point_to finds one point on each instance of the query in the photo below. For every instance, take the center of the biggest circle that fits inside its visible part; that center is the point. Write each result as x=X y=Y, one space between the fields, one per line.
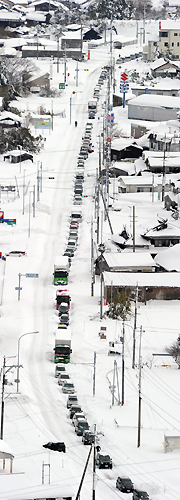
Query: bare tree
x=174 y=351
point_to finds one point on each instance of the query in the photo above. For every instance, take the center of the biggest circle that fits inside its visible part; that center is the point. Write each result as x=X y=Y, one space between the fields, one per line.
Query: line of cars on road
x=75 y=219
x=125 y=485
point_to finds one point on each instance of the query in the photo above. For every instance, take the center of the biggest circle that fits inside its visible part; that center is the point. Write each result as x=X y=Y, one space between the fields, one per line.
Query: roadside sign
x=108 y=139
x=124 y=77
x=32 y=275
x=10 y=221
x=110 y=118
x=62 y=86
x=124 y=87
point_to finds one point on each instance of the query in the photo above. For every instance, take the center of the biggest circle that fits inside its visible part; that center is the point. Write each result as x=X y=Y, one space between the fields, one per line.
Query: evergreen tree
x=120 y=307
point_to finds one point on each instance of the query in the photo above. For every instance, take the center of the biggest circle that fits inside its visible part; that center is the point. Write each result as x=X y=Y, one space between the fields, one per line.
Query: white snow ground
x=38 y=413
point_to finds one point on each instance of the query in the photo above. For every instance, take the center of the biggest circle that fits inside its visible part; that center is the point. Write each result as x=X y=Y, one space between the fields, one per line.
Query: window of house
x=166 y=44
x=175 y=34
x=164 y=34
x=155 y=44
x=178 y=44
x=172 y=44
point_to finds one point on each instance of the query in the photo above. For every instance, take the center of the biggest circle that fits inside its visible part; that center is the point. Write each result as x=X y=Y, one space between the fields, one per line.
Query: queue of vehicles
x=62 y=349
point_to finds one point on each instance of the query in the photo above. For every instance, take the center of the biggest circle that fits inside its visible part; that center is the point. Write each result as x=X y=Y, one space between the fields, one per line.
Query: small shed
x=91 y=35
x=17 y=156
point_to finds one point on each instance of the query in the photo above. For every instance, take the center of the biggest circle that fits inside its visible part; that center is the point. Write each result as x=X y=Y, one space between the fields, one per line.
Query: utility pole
x=5 y=370
x=94 y=375
x=58 y=53
x=2 y=397
x=52 y=115
x=134 y=228
x=101 y=249
x=70 y=109
x=139 y=405
x=65 y=63
x=19 y=288
x=23 y=189
x=92 y=261
x=152 y=188
x=94 y=463
x=83 y=476
x=37 y=177
x=134 y=329
x=115 y=373
x=164 y=172
x=77 y=74
x=123 y=338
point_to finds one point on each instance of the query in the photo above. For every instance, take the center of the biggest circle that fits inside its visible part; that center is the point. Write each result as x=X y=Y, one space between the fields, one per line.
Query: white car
x=68 y=388
x=76 y=417
x=16 y=253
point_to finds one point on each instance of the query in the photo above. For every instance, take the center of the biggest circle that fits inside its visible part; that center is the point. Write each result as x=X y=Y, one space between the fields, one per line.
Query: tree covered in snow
x=120 y=306
x=14 y=75
x=174 y=351
x=21 y=136
x=107 y=9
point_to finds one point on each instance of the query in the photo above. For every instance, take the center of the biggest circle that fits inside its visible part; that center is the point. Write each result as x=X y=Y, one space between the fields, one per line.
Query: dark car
x=63 y=308
x=72 y=400
x=69 y=252
x=74 y=409
x=55 y=446
x=103 y=461
x=64 y=319
x=81 y=426
x=140 y=495
x=124 y=484
x=88 y=437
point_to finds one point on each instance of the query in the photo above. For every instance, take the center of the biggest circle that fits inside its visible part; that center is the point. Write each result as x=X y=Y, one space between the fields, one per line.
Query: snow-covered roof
x=143 y=279
x=139 y=180
x=156 y=101
x=159 y=161
x=11 y=116
x=169 y=258
x=169 y=232
x=5 y=451
x=162 y=62
x=35 y=16
x=9 y=15
x=122 y=260
x=170 y=25
x=122 y=143
x=16 y=152
x=40 y=2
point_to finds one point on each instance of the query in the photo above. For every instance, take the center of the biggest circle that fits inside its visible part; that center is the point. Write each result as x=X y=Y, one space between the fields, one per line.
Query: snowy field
x=38 y=413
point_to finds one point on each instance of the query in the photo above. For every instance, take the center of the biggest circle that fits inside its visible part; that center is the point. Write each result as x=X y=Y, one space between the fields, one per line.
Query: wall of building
x=151 y=113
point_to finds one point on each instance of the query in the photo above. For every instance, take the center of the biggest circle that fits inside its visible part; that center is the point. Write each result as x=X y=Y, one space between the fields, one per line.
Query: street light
x=18 y=366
